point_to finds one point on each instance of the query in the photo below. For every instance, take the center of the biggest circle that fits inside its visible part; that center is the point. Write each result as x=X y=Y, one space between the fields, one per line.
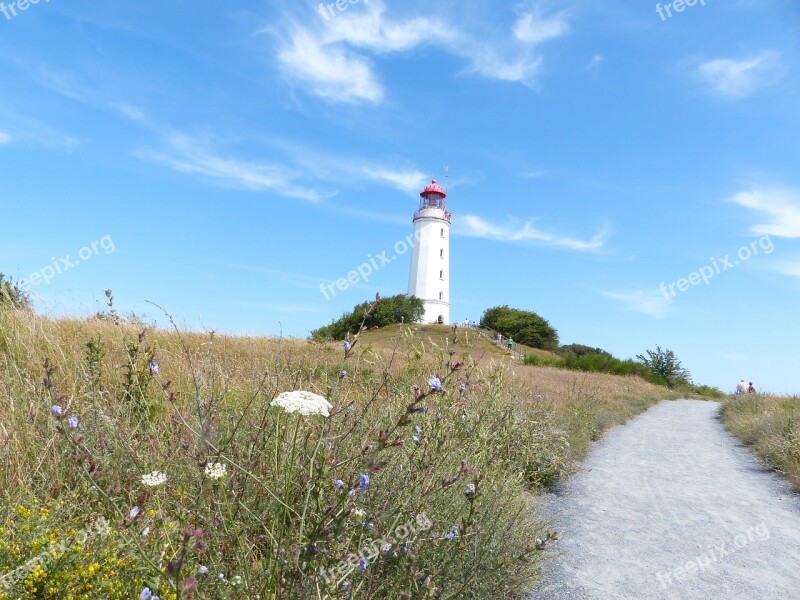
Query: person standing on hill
x=741 y=388
x=751 y=388
x=510 y=344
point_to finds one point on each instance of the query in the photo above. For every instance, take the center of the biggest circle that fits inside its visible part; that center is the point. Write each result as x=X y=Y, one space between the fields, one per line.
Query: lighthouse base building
x=429 y=279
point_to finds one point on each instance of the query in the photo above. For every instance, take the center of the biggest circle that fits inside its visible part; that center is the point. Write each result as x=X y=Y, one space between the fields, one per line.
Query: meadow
x=140 y=462
x=770 y=427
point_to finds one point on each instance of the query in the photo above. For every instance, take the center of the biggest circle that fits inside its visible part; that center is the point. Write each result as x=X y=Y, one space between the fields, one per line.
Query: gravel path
x=672 y=506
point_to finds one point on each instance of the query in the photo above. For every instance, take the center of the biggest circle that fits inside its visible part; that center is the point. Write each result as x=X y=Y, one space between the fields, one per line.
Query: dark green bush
x=388 y=311
x=523 y=326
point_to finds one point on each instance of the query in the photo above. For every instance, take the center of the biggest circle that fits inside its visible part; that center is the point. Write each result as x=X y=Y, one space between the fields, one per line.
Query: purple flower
x=346 y=346
x=346 y=586
x=154 y=368
x=57 y=411
x=470 y=493
x=342 y=374
x=145 y=594
x=338 y=484
x=203 y=570
x=134 y=512
x=362 y=564
x=435 y=383
x=407 y=547
x=72 y=422
x=463 y=387
x=420 y=409
x=386 y=549
x=415 y=439
x=453 y=533
x=438 y=416
x=363 y=482
x=329 y=445
x=418 y=430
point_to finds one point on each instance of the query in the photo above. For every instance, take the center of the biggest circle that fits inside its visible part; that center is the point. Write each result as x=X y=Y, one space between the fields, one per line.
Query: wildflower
x=154 y=479
x=453 y=533
x=216 y=470
x=221 y=577
x=415 y=439
x=306 y=403
x=470 y=493
x=203 y=570
x=420 y=409
x=133 y=513
x=346 y=346
x=435 y=383
x=362 y=564
x=358 y=512
x=57 y=411
x=146 y=594
x=386 y=549
x=463 y=387
x=418 y=430
x=342 y=374
x=72 y=422
x=329 y=445
x=438 y=416
x=407 y=547
x=346 y=586
x=236 y=580
x=363 y=482
x=153 y=368
x=145 y=532
x=338 y=484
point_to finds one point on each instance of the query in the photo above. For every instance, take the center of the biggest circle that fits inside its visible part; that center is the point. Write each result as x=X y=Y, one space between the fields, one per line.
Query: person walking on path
x=510 y=344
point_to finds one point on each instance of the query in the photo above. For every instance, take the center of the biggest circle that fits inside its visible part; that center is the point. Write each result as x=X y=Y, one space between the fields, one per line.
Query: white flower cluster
x=154 y=479
x=306 y=403
x=216 y=470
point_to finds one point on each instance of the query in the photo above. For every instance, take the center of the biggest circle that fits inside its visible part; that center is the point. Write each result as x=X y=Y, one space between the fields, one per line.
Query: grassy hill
x=406 y=486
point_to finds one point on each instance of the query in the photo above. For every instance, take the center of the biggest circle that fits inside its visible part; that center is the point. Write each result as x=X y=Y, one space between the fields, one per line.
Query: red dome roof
x=433 y=188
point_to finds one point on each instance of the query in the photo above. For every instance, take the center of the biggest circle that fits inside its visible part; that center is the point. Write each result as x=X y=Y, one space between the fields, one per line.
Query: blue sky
x=227 y=159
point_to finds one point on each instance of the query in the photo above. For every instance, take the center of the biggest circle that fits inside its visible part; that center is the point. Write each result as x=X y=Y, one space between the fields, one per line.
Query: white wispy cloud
x=332 y=58
x=190 y=155
x=653 y=304
x=473 y=226
x=739 y=78
x=4 y=138
x=780 y=208
x=406 y=181
x=791 y=268
x=331 y=71
x=532 y=28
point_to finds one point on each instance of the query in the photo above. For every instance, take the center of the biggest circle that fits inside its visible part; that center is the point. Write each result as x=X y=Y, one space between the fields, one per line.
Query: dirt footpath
x=671 y=506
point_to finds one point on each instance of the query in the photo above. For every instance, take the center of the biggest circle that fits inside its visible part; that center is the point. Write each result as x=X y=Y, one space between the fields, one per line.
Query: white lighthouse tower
x=430 y=260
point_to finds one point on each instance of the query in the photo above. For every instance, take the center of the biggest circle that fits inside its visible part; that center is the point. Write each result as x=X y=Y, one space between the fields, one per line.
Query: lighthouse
x=429 y=279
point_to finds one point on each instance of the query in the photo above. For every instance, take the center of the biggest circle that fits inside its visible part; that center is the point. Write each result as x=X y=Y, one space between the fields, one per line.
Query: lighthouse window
x=441 y=295
x=441 y=274
x=442 y=232
x=441 y=253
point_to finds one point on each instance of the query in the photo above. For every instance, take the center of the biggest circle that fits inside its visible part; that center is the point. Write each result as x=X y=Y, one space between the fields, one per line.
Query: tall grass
x=416 y=484
x=770 y=426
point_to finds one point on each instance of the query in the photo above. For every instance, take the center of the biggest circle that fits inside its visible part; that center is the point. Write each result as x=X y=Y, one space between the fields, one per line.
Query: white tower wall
x=429 y=278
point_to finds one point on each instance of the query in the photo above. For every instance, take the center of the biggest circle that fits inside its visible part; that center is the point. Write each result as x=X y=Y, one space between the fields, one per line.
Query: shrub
x=524 y=327
x=11 y=295
x=664 y=365
x=389 y=311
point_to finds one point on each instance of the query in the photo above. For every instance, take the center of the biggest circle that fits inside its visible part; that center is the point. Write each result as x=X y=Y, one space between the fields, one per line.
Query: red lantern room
x=433 y=196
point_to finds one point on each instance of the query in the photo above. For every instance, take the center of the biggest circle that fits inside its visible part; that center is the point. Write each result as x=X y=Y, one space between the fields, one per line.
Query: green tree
x=388 y=311
x=11 y=295
x=665 y=366
x=524 y=327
